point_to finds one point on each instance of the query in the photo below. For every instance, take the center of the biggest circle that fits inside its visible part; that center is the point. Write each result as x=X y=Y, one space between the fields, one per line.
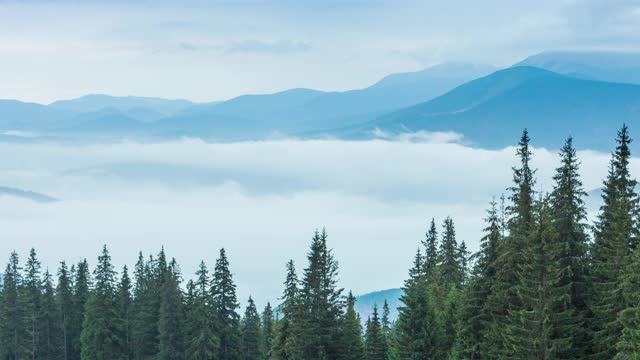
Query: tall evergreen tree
x=202 y=344
x=569 y=253
x=251 y=333
x=473 y=337
x=417 y=328
x=615 y=235
x=64 y=301
x=32 y=293
x=449 y=260
x=374 y=340
x=284 y=342
x=171 y=316
x=267 y=331
x=50 y=324
x=124 y=305
x=102 y=326
x=505 y=299
x=223 y=290
x=81 y=293
x=12 y=325
x=351 y=332
x=431 y=250
x=318 y=331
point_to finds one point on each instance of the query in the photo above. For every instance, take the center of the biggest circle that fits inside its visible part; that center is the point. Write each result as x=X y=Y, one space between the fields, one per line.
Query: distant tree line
x=543 y=285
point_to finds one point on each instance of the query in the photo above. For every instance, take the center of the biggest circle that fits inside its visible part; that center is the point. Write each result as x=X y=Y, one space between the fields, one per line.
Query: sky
x=215 y=50
x=375 y=199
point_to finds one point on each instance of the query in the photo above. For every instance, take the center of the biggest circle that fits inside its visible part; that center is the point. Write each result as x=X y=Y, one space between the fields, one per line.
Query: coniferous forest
x=545 y=284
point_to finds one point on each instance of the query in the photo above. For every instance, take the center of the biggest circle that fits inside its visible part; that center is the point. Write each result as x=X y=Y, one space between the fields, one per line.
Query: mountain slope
x=301 y=110
x=620 y=67
x=141 y=108
x=491 y=111
x=364 y=303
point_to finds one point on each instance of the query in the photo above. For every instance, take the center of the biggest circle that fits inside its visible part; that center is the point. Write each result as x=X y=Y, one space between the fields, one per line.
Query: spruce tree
x=505 y=299
x=32 y=300
x=102 y=326
x=374 y=340
x=416 y=326
x=431 y=250
x=615 y=234
x=351 y=332
x=284 y=347
x=12 y=325
x=450 y=270
x=569 y=253
x=318 y=331
x=251 y=333
x=223 y=290
x=171 y=316
x=64 y=302
x=50 y=322
x=473 y=337
x=124 y=306
x=201 y=344
x=267 y=331
x=81 y=293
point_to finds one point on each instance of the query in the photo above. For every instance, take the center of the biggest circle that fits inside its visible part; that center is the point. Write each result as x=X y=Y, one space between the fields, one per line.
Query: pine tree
x=267 y=331
x=223 y=290
x=102 y=326
x=431 y=250
x=569 y=253
x=473 y=340
x=374 y=340
x=615 y=235
x=171 y=316
x=124 y=305
x=449 y=266
x=32 y=295
x=504 y=298
x=351 y=332
x=284 y=343
x=64 y=302
x=318 y=331
x=50 y=324
x=202 y=344
x=386 y=330
x=447 y=322
x=82 y=283
x=416 y=326
x=628 y=346
x=251 y=333
x=12 y=325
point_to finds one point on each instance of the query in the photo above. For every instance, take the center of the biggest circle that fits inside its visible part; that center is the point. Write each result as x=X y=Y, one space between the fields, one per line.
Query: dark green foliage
x=351 y=332
x=171 y=316
x=201 y=344
x=12 y=327
x=417 y=326
x=317 y=331
x=32 y=302
x=615 y=237
x=227 y=320
x=64 y=302
x=82 y=283
x=251 y=333
x=449 y=268
x=102 y=327
x=431 y=250
x=375 y=347
x=284 y=343
x=267 y=329
x=124 y=303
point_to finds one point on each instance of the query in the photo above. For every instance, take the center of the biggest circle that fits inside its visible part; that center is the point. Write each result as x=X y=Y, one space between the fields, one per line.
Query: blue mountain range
x=555 y=94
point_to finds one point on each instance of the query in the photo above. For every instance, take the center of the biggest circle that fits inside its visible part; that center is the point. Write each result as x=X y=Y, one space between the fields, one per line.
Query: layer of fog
x=259 y=200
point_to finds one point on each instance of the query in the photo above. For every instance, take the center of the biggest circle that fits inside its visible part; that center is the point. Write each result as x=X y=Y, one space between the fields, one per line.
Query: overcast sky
x=214 y=50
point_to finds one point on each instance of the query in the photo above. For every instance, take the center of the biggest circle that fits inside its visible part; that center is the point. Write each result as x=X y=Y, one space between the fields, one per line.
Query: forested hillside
x=544 y=284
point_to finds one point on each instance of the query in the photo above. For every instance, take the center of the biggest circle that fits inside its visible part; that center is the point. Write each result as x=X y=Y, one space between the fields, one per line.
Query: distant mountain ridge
x=553 y=94
x=490 y=110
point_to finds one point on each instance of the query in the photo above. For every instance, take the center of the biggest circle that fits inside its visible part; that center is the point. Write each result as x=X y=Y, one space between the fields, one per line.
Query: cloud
x=281 y=47
x=260 y=200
